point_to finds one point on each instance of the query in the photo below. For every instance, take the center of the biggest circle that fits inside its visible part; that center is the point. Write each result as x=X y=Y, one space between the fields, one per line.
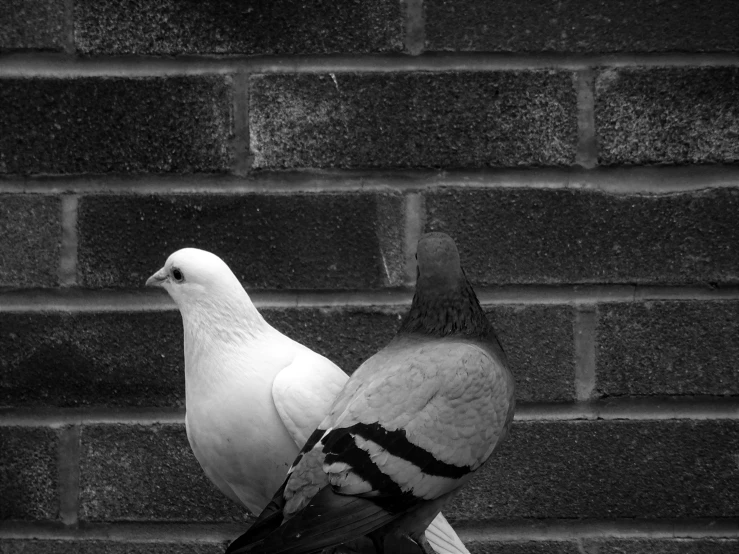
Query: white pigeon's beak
x=157 y=279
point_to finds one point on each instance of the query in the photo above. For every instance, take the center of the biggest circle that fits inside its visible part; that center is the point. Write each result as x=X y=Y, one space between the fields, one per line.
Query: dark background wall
x=582 y=153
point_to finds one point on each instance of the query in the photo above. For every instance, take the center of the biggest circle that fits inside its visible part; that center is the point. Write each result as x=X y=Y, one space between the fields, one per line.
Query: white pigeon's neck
x=223 y=320
x=213 y=335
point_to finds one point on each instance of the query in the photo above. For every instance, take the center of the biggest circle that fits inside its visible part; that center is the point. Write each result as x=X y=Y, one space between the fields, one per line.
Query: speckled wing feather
x=427 y=414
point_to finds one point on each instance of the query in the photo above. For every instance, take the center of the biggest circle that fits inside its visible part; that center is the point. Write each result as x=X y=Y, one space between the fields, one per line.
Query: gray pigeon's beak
x=157 y=279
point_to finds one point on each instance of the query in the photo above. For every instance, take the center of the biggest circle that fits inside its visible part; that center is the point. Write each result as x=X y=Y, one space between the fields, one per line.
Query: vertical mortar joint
x=241 y=143
x=415 y=26
x=587 y=146
x=414 y=224
x=69 y=241
x=68 y=28
x=585 y=356
x=69 y=474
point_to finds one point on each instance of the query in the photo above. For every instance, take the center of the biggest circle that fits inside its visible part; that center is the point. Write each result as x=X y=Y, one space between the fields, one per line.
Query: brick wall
x=582 y=153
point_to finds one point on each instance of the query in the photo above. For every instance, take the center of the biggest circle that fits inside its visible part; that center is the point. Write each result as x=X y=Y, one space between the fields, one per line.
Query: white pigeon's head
x=196 y=277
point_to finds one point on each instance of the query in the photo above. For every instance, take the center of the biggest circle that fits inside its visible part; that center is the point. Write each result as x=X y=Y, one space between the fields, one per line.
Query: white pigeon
x=253 y=396
x=409 y=428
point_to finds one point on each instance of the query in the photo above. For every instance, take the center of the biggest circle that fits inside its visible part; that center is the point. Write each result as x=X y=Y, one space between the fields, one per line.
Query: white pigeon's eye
x=177 y=275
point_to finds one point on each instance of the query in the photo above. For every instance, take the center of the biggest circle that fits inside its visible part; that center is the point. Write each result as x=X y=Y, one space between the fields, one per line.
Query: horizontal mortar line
x=637 y=409
x=487 y=531
x=61 y=417
x=615 y=180
x=573 y=529
x=648 y=408
x=145 y=300
x=124 y=531
x=62 y=65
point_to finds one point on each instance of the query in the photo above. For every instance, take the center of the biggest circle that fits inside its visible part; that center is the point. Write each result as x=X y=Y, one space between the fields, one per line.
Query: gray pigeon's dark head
x=445 y=303
x=438 y=262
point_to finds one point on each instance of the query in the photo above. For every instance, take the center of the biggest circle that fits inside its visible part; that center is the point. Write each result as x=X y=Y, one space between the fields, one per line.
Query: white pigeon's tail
x=443 y=538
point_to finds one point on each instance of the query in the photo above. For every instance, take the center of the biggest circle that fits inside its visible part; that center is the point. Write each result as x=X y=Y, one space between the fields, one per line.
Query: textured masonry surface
x=616 y=469
x=584 y=26
x=583 y=154
x=28 y=473
x=607 y=469
x=452 y=120
x=668 y=348
x=237 y=26
x=30 y=240
x=115 y=125
x=668 y=115
x=146 y=473
x=135 y=359
x=564 y=236
x=334 y=241
x=34 y=24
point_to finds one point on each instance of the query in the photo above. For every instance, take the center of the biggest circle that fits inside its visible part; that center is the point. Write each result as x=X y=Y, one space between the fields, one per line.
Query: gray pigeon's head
x=438 y=262
x=193 y=275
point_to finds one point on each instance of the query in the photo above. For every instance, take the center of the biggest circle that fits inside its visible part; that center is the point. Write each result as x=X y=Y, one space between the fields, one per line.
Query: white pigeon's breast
x=234 y=428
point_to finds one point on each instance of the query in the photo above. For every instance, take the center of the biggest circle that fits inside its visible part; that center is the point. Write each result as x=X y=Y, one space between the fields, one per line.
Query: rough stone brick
x=238 y=27
x=523 y=547
x=667 y=115
x=582 y=26
x=30 y=234
x=346 y=336
x=661 y=546
x=564 y=236
x=468 y=119
x=113 y=124
x=28 y=473
x=299 y=241
x=137 y=473
x=135 y=359
x=108 y=547
x=668 y=348
x=539 y=343
x=89 y=358
x=32 y=24
x=607 y=470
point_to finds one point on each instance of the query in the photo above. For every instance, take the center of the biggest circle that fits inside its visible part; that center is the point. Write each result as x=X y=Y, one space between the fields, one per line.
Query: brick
x=564 y=236
x=89 y=358
x=582 y=26
x=661 y=546
x=238 y=27
x=346 y=336
x=28 y=473
x=137 y=473
x=32 y=24
x=299 y=241
x=467 y=119
x=607 y=469
x=667 y=115
x=109 y=547
x=103 y=125
x=667 y=348
x=134 y=359
x=539 y=343
x=30 y=234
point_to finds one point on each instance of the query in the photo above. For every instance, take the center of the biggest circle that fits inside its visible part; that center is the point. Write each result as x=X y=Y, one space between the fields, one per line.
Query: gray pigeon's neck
x=442 y=313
